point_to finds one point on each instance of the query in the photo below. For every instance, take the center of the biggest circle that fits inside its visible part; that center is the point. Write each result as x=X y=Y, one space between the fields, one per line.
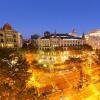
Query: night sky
x=37 y=16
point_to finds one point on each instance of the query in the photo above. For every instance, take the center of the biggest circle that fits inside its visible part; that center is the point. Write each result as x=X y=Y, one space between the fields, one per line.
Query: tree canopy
x=35 y=36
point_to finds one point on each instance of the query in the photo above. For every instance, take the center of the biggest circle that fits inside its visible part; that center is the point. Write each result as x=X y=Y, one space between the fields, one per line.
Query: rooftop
x=63 y=36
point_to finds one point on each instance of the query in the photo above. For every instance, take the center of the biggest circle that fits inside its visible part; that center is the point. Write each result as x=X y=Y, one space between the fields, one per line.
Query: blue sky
x=37 y=16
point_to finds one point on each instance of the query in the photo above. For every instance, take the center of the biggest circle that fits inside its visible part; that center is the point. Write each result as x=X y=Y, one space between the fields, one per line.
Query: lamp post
x=61 y=97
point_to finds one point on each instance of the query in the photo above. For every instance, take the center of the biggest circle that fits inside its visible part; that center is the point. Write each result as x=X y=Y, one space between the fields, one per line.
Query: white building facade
x=93 y=39
x=59 y=40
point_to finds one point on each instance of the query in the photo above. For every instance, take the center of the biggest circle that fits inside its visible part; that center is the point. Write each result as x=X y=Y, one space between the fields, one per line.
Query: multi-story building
x=50 y=41
x=93 y=39
x=9 y=38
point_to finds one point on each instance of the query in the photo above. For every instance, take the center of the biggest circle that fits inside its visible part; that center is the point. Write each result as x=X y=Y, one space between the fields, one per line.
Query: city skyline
x=49 y=50
x=31 y=16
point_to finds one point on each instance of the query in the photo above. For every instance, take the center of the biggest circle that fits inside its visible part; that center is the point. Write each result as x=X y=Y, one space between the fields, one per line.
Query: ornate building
x=9 y=38
x=50 y=41
x=93 y=39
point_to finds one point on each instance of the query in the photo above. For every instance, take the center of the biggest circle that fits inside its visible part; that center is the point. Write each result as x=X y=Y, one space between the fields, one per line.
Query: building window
x=2 y=40
x=65 y=45
x=1 y=34
x=14 y=40
x=14 y=36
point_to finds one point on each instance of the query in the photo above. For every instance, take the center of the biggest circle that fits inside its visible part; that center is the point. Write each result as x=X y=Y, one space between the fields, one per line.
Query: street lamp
x=61 y=98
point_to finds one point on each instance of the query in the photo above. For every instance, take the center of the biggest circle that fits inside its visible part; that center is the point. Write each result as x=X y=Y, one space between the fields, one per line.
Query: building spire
x=55 y=32
x=83 y=36
x=73 y=30
x=73 y=33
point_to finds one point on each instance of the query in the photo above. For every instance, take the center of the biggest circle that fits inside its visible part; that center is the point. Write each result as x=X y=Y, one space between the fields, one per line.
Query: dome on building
x=7 y=27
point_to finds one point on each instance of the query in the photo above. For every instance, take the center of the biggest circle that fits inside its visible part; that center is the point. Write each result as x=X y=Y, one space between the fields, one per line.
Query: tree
x=34 y=39
x=5 y=52
x=46 y=33
x=87 y=47
x=58 y=48
x=24 y=45
x=35 y=36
